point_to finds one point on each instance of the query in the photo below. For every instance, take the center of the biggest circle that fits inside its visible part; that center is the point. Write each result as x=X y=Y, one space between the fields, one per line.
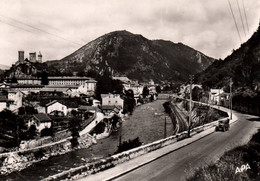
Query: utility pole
x=230 y=99
x=218 y=97
x=120 y=132
x=165 y=130
x=191 y=81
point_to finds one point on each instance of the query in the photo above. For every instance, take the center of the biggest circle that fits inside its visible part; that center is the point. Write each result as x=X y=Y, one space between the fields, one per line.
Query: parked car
x=223 y=125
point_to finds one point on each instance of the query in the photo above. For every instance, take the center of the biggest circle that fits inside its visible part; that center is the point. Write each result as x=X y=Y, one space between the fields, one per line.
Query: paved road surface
x=179 y=164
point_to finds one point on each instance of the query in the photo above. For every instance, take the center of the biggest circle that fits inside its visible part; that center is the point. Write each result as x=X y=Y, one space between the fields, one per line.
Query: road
x=181 y=163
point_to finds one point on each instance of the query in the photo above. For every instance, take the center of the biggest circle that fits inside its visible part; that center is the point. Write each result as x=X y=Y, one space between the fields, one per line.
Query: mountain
x=243 y=66
x=4 y=67
x=136 y=57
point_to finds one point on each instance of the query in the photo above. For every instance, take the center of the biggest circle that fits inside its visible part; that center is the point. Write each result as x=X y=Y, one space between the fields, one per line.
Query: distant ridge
x=243 y=66
x=4 y=67
x=124 y=53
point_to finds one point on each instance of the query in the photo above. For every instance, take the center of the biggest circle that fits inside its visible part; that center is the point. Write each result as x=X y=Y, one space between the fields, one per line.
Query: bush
x=127 y=145
x=100 y=128
x=47 y=132
x=225 y=168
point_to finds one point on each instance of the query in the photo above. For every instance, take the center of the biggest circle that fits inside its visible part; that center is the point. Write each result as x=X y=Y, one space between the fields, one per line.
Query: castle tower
x=20 y=55
x=32 y=57
x=40 y=57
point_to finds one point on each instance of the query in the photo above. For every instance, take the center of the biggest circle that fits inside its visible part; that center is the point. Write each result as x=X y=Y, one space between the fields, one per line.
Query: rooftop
x=42 y=117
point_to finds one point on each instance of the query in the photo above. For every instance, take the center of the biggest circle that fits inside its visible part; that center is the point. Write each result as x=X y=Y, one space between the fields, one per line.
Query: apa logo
x=242 y=168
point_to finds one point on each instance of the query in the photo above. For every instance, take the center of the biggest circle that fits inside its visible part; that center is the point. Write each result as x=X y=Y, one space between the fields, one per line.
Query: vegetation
x=127 y=145
x=243 y=67
x=229 y=165
x=74 y=127
x=47 y=132
x=107 y=85
x=145 y=91
x=10 y=127
x=129 y=101
x=100 y=128
x=27 y=110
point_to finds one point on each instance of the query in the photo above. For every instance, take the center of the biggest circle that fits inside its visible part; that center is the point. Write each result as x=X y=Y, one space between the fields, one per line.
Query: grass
x=225 y=168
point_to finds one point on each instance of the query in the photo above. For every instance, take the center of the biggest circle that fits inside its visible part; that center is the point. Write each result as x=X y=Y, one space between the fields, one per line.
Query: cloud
x=204 y=25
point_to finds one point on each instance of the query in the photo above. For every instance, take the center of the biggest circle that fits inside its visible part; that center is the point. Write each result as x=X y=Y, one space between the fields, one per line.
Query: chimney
x=20 y=55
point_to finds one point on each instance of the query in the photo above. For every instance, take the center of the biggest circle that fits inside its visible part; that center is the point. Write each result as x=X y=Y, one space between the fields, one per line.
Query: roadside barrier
x=91 y=168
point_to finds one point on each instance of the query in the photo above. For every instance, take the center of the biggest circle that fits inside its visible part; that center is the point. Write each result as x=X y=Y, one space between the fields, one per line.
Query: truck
x=223 y=125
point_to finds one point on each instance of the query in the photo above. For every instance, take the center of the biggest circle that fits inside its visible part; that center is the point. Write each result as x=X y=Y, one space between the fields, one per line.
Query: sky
x=58 y=28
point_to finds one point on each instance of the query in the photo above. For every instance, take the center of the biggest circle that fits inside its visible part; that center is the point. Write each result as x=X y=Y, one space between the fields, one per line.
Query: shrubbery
x=127 y=145
x=226 y=167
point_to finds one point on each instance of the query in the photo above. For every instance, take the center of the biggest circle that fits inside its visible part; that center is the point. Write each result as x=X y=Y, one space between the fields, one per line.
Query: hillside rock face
x=243 y=66
x=124 y=53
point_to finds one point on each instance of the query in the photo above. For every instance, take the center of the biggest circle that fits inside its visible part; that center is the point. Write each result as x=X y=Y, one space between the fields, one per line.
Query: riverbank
x=17 y=161
x=143 y=119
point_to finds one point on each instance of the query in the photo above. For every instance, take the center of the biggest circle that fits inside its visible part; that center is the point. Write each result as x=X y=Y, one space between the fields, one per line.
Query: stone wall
x=21 y=159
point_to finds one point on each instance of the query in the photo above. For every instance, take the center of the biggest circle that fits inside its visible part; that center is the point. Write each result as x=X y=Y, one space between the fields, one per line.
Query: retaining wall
x=21 y=159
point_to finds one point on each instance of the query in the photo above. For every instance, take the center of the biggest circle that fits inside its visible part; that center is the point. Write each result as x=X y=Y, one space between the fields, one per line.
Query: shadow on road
x=254 y=119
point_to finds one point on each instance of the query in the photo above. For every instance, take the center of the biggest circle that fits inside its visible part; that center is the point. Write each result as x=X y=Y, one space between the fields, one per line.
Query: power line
x=16 y=26
x=38 y=29
x=245 y=15
x=238 y=6
x=234 y=20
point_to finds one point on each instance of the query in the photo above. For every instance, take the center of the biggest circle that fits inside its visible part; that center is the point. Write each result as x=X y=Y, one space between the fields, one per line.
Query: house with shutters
x=112 y=100
x=56 y=106
x=41 y=121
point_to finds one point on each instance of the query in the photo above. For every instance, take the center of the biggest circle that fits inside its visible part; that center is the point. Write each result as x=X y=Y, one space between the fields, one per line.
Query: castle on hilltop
x=32 y=57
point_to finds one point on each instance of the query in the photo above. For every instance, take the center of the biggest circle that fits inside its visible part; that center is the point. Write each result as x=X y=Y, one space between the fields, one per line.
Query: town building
x=77 y=85
x=29 y=81
x=54 y=106
x=71 y=80
x=16 y=99
x=3 y=103
x=110 y=110
x=41 y=121
x=215 y=96
x=96 y=103
x=112 y=100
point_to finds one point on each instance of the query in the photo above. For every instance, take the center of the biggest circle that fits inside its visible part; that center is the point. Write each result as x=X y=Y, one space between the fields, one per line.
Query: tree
x=196 y=93
x=30 y=110
x=127 y=145
x=44 y=78
x=31 y=133
x=129 y=101
x=14 y=80
x=145 y=91
x=158 y=89
x=21 y=111
x=115 y=120
x=74 y=127
x=47 y=132
x=107 y=85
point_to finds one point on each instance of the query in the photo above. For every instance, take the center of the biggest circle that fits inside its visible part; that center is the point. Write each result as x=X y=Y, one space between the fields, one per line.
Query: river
x=147 y=122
